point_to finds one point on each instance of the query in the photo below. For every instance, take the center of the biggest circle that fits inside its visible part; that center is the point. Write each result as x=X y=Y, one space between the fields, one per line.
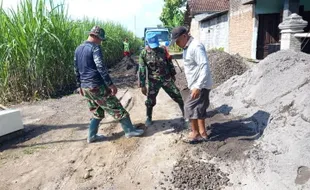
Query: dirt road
x=53 y=153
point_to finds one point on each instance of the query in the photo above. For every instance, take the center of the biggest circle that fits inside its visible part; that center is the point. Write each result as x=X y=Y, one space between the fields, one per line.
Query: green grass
x=176 y=49
x=33 y=149
x=218 y=49
x=37 y=46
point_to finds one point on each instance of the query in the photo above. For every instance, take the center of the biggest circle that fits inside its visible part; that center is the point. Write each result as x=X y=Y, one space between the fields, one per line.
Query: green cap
x=98 y=32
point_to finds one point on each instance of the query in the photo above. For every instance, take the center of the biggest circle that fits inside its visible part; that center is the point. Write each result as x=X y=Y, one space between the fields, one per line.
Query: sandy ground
x=275 y=96
x=53 y=153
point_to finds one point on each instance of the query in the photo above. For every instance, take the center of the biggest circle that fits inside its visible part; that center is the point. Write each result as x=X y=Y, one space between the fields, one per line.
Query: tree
x=172 y=15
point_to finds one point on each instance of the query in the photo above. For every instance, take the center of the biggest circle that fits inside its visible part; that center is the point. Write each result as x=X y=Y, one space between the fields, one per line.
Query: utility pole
x=135 y=27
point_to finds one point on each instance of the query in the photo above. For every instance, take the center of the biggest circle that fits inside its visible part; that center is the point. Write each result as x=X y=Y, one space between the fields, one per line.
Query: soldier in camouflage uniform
x=155 y=66
x=95 y=84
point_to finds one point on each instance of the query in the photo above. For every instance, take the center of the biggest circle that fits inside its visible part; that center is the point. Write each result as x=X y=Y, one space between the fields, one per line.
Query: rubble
x=124 y=73
x=180 y=80
x=125 y=65
x=191 y=174
x=223 y=66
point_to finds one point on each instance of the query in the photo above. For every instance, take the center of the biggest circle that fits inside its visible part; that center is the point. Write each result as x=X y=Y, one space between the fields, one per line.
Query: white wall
x=214 y=33
x=195 y=24
x=194 y=31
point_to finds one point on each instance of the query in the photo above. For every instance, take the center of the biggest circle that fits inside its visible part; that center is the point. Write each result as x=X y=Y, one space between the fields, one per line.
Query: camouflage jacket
x=155 y=64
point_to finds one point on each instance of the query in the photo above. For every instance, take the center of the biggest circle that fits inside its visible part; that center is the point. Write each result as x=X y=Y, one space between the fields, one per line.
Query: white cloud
x=152 y=14
x=106 y=9
x=125 y=12
x=143 y=12
x=9 y=3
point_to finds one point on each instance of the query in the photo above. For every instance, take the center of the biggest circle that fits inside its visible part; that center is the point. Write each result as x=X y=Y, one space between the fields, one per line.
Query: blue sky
x=126 y=12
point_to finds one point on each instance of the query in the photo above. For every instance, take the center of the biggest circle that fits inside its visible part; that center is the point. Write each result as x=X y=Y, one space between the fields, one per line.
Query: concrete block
x=10 y=121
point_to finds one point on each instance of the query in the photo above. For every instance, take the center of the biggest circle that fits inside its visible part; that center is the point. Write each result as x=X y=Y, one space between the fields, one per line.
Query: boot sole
x=129 y=136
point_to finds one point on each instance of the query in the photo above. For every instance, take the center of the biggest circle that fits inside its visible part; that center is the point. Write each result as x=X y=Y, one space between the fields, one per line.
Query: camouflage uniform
x=99 y=99
x=156 y=67
x=95 y=84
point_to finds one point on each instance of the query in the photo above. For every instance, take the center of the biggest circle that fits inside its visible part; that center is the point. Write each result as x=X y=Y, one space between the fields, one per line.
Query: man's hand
x=113 y=89
x=195 y=93
x=144 y=90
x=79 y=91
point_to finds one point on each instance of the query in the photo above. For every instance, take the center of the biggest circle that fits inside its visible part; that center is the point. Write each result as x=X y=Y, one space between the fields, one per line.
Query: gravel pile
x=191 y=174
x=180 y=80
x=126 y=66
x=124 y=73
x=224 y=66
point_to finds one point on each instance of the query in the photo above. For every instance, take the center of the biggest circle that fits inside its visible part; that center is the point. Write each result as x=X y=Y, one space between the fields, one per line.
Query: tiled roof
x=201 y=6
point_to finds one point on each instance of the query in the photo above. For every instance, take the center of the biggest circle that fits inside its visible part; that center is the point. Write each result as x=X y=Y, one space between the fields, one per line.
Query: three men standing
x=156 y=71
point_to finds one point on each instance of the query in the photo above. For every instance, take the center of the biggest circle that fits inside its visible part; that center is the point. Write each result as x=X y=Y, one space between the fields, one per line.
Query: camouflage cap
x=98 y=32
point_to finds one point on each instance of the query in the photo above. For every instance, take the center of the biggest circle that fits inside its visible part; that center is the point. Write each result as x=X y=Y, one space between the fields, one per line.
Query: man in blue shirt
x=96 y=86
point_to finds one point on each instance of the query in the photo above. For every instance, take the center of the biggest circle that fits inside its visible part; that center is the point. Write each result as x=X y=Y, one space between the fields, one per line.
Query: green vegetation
x=218 y=49
x=172 y=15
x=37 y=43
x=33 y=149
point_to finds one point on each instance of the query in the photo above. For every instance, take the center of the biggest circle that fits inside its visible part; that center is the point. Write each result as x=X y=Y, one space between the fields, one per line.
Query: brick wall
x=241 y=28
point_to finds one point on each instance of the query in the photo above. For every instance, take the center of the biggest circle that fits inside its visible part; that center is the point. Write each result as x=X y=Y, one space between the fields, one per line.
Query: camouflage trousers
x=169 y=87
x=100 y=99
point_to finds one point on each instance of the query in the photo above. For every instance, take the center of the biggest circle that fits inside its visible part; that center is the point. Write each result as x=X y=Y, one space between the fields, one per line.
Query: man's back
x=85 y=57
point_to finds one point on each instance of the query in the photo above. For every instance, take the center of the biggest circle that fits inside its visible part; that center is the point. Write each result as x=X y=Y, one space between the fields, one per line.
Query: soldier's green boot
x=148 y=121
x=129 y=129
x=93 y=130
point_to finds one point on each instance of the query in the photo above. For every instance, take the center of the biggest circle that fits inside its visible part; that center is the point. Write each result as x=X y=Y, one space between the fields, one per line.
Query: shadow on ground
x=32 y=131
x=176 y=125
x=231 y=136
x=250 y=128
